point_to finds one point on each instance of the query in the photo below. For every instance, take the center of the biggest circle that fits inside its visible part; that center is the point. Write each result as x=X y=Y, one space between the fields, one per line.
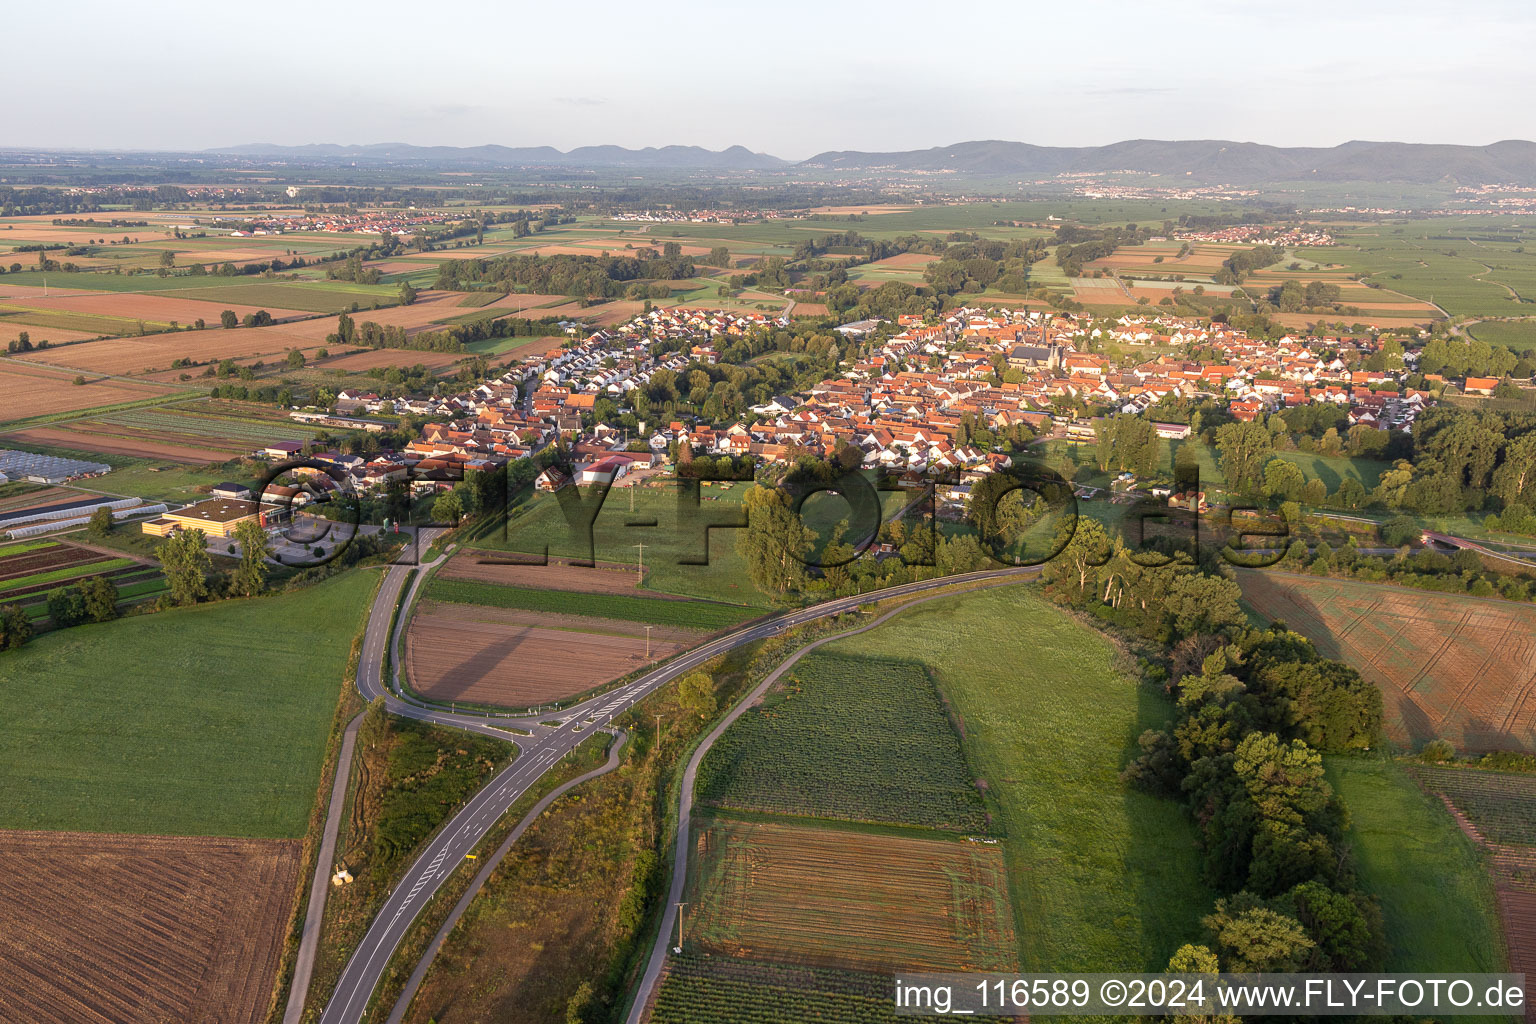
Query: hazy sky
x=789 y=77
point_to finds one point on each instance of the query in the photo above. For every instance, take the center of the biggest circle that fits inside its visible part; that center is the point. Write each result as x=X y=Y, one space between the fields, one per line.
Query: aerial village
x=907 y=403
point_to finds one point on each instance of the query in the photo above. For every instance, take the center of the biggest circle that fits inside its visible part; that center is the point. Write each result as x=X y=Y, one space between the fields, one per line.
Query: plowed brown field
x=91 y=442
x=101 y=929
x=517 y=659
x=30 y=390
x=1461 y=668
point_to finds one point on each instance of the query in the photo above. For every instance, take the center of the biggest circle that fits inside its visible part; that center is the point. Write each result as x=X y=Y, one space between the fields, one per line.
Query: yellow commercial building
x=216 y=517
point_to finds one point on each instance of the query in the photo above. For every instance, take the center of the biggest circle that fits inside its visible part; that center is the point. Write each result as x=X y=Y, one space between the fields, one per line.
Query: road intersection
x=542 y=741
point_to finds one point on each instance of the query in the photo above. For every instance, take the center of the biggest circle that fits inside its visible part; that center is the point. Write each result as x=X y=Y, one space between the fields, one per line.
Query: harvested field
x=109 y=929
x=602 y=314
x=130 y=356
x=109 y=444
x=11 y=331
x=554 y=576
x=516 y=658
x=830 y=898
x=1456 y=667
x=135 y=355
x=905 y=261
x=518 y=302
x=32 y=390
x=160 y=308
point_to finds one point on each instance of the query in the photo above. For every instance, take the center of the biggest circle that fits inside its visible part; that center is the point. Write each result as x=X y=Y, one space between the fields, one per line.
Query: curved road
x=539 y=751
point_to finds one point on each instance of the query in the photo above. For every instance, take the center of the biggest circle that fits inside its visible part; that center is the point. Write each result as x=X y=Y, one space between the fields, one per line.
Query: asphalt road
x=538 y=752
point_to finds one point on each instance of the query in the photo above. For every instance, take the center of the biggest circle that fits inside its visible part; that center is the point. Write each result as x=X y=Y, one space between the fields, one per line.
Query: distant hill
x=737 y=158
x=1206 y=161
x=1235 y=163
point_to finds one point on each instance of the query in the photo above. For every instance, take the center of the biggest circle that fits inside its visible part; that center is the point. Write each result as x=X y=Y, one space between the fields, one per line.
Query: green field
x=210 y=720
x=679 y=532
x=1434 y=889
x=1454 y=262
x=852 y=738
x=1102 y=878
x=1516 y=335
x=705 y=615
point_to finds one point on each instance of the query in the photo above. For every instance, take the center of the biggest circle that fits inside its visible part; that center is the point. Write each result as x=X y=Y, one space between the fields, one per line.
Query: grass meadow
x=1101 y=878
x=1435 y=892
x=209 y=720
x=671 y=530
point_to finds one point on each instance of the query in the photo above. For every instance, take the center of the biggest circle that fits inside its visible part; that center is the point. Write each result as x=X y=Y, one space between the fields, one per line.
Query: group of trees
x=90 y=600
x=1254 y=711
x=1460 y=357
x=1080 y=245
x=1461 y=572
x=575 y=276
x=1127 y=443
x=1240 y=264
x=1293 y=297
x=229 y=319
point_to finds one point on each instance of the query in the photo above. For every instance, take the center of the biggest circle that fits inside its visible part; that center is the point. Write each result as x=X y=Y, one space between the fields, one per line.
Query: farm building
x=216 y=517
x=605 y=471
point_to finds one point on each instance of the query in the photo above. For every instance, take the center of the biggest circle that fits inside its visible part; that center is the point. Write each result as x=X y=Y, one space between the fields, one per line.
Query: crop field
x=714 y=990
x=682 y=531
x=210 y=720
x=185 y=425
x=843 y=899
x=159 y=309
x=1101 y=877
x=513 y=658
x=94 y=445
x=1443 y=261
x=32 y=390
x=700 y=615
x=1453 y=667
x=154 y=353
x=1499 y=809
x=29 y=571
x=853 y=738
x=99 y=929
x=1502 y=805
x=1516 y=335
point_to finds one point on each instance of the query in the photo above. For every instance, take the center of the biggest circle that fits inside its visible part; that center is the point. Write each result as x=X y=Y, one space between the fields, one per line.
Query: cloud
x=580 y=101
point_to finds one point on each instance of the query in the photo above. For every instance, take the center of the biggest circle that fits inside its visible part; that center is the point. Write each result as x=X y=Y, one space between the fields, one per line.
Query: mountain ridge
x=1206 y=161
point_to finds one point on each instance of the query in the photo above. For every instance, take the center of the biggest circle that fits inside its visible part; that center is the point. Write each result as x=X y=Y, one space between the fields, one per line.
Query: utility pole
x=647 y=643
x=641 y=563
x=679 y=947
x=658 y=731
